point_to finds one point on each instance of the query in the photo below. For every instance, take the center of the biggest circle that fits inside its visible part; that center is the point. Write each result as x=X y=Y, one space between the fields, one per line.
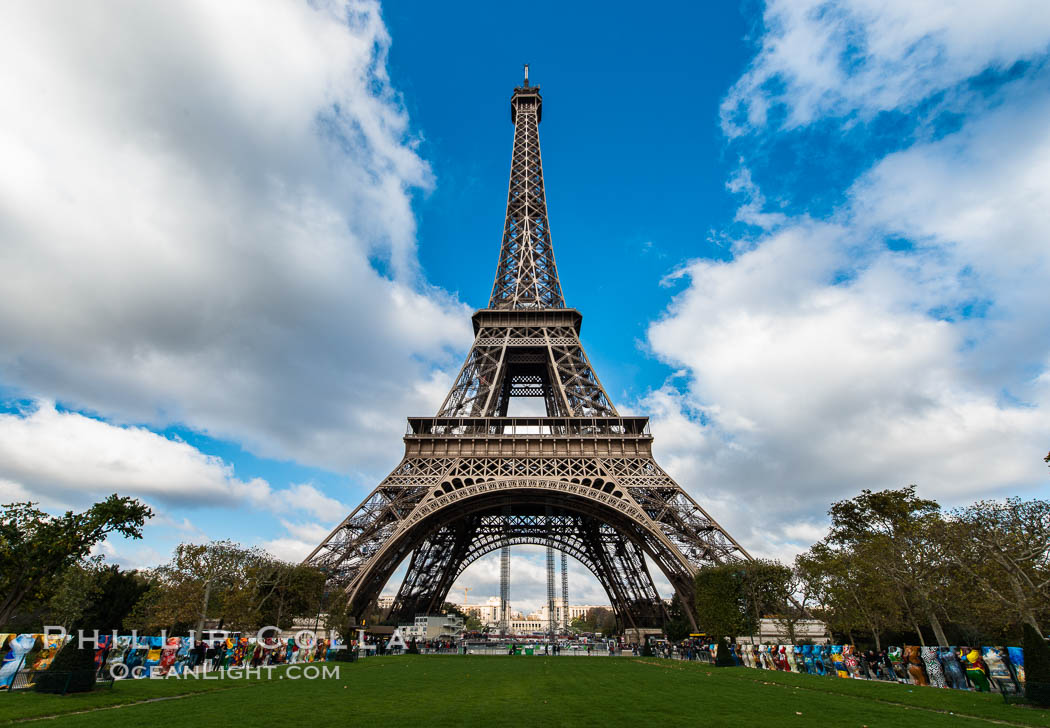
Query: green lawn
x=522 y=691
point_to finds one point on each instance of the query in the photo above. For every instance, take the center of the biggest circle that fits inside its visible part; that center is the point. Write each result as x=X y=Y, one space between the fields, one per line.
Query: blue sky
x=242 y=245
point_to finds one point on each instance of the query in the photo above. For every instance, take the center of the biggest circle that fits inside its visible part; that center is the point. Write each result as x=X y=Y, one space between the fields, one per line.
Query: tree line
x=51 y=577
x=895 y=566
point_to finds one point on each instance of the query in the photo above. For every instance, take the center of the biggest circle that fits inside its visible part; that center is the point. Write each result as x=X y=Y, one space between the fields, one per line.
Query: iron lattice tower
x=564 y=593
x=581 y=479
x=504 y=590
x=552 y=621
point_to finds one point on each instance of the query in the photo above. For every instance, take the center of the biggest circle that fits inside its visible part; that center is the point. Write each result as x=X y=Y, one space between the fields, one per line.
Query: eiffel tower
x=582 y=479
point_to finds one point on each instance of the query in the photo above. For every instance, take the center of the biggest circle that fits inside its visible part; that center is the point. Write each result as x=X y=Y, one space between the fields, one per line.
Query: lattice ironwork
x=581 y=480
x=564 y=592
x=552 y=615
x=526 y=276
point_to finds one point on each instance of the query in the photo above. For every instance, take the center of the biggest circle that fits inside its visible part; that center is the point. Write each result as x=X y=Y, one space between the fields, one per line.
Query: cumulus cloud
x=528 y=580
x=903 y=337
x=858 y=57
x=300 y=538
x=210 y=223
x=65 y=459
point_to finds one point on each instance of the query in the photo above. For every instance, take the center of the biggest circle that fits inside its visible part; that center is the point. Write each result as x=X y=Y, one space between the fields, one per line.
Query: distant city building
x=517 y=623
x=433 y=626
x=775 y=631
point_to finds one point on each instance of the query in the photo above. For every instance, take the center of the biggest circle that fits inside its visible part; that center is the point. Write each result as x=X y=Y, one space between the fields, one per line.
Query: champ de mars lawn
x=450 y=690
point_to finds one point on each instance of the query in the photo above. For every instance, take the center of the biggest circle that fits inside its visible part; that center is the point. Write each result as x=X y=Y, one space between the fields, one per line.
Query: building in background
x=433 y=626
x=518 y=623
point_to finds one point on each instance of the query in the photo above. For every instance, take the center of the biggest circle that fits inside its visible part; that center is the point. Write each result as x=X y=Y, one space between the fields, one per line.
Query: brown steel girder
x=626 y=577
x=617 y=563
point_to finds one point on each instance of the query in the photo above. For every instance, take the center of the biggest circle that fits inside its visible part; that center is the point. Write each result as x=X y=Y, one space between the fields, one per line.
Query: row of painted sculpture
x=27 y=653
x=962 y=668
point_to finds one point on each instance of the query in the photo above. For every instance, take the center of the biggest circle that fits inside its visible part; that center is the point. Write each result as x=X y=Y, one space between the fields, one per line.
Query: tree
x=106 y=594
x=903 y=530
x=766 y=590
x=113 y=593
x=35 y=546
x=272 y=592
x=1005 y=547
x=720 y=608
x=192 y=586
x=451 y=608
x=243 y=588
x=848 y=591
x=597 y=620
x=731 y=599
x=678 y=627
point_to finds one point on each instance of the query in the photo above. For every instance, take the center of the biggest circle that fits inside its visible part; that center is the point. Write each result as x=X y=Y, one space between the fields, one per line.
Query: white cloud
x=68 y=458
x=307 y=498
x=301 y=538
x=820 y=359
x=65 y=459
x=191 y=216
x=817 y=58
x=528 y=580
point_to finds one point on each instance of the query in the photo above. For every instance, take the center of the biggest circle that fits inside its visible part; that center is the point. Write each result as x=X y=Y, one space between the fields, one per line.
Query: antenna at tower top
x=526 y=75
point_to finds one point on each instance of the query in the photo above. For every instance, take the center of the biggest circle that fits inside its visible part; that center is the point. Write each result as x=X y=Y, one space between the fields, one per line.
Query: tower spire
x=526 y=276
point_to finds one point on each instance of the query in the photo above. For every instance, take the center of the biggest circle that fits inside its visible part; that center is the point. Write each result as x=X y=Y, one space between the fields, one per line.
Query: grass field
x=438 y=690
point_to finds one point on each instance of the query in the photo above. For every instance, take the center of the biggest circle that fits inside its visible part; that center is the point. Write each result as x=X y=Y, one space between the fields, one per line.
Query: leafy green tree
x=721 y=610
x=35 y=546
x=846 y=590
x=241 y=588
x=732 y=599
x=113 y=594
x=904 y=532
x=194 y=585
x=1005 y=547
x=678 y=626
x=106 y=594
x=598 y=620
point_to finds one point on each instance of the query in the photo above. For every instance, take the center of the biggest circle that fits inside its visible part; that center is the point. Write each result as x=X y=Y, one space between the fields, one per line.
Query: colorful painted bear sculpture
x=117 y=653
x=136 y=653
x=809 y=656
x=168 y=654
x=900 y=671
x=102 y=647
x=1016 y=655
x=849 y=656
x=837 y=663
x=826 y=658
x=798 y=658
x=49 y=647
x=913 y=661
x=933 y=667
x=999 y=668
x=976 y=670
x=952 y=668
x=152 y=659
x=183 y=654
x=19 y=652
